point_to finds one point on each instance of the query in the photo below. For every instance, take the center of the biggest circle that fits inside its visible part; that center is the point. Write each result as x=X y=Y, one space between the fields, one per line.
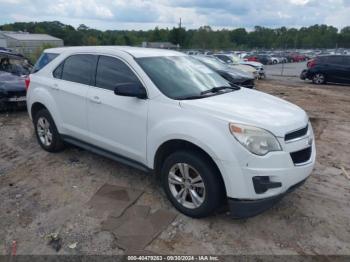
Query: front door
x=117 y=123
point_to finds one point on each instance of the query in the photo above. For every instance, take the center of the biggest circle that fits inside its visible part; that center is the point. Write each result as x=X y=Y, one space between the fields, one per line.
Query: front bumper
x=247 y=83
x=249 y=208
x=254 y=183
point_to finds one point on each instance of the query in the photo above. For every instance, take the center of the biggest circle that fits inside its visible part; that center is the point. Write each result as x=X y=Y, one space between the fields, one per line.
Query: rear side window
x=111 y=72
x=78 y=69
x=43 y=60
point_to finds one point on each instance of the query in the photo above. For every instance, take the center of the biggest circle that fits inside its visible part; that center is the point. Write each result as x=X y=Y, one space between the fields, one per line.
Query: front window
x=180 y=77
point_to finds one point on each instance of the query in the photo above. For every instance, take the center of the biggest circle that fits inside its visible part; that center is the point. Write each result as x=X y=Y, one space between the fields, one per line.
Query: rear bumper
x=12 y=100
x=250 y=208
x=305 y=74
x=12 y=96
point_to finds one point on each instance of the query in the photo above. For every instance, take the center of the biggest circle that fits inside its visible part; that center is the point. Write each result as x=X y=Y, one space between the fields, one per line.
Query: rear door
x=346 y=60
x=117 y=123
x=335 y=69
x=73 y=77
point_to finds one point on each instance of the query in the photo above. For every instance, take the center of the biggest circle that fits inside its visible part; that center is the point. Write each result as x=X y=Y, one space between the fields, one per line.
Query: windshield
x=212 y=62
x=180 y=76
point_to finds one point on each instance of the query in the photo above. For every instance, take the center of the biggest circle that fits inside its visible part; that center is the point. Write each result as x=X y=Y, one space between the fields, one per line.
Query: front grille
x=301 y=156
x=296 y=134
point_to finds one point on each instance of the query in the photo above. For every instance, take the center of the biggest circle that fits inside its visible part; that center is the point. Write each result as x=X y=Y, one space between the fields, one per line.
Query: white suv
x=210 y=142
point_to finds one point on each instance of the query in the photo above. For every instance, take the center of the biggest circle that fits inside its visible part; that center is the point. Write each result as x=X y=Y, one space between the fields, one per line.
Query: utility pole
x=179 y=34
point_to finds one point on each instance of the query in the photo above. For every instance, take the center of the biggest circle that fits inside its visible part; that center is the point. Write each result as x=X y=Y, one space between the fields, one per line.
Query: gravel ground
x=43 y=193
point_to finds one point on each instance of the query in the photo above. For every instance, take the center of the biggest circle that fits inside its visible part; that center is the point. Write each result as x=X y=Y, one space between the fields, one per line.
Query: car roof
x=133 y=51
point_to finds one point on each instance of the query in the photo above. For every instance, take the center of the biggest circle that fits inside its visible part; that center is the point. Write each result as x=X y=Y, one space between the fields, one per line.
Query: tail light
x=27 y=82
x=311 y=63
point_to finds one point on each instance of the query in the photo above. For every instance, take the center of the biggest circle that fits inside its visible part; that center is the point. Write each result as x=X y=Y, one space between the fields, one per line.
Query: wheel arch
x=36 y=107
x=39 y=98
x=170 y=146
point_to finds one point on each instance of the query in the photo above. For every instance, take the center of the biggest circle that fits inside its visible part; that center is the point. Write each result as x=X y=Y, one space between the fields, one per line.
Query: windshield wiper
x=189 y=97
x=212 y=90
x=219 y=88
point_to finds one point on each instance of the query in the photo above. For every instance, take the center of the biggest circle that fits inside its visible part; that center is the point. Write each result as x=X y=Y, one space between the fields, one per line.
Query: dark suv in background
x=330 y=68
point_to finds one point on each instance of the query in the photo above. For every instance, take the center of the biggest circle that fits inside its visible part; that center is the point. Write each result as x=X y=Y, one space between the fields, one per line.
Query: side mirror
x=131 y=90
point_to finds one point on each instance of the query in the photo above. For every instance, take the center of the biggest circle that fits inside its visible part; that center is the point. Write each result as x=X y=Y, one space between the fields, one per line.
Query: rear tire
x=192 y=184
x=46 y=132
x=319 y=79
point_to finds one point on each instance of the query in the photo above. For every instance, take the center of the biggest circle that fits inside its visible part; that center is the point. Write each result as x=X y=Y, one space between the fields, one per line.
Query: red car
x=298 y=57
x=251 y=58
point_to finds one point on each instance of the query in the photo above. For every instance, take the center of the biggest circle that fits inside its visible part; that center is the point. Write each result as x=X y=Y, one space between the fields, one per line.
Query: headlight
x=256 y=140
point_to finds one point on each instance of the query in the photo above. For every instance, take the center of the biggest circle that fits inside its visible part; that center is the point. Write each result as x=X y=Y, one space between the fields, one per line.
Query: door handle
x=95 y=99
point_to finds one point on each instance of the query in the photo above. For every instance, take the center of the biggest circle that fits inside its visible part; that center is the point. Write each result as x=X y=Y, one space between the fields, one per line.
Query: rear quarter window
x=43 y=60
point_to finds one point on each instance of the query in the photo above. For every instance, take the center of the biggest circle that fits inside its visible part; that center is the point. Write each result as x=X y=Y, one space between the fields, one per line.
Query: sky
x=147 y=14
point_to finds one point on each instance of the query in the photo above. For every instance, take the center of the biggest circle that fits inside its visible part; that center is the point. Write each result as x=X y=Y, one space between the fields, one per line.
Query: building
x=163 y=45
x=26 y=43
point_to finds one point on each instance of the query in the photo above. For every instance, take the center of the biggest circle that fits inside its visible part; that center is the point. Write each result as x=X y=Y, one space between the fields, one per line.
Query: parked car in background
x=166 y=113
x=259 y=67
x=280 y=58
x=231 y=60
x=13 y=70
x=231 y=74
x=296 y=58
x=275 y=59
x=330 y=68
x=265 y=59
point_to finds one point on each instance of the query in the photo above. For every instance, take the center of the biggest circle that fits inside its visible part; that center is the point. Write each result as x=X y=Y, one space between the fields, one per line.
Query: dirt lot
x=42 y=193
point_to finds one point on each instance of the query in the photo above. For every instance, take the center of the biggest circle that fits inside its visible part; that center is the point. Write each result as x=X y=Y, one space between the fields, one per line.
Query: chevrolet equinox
x=210 y=142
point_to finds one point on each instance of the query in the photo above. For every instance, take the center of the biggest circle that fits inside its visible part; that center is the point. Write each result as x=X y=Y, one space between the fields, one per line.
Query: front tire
x=46 y=132
x=319 y=79
x=192 y=184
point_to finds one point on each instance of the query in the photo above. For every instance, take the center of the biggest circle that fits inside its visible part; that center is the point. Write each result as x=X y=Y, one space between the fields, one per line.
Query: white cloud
x=144 y=14
x=299 y=2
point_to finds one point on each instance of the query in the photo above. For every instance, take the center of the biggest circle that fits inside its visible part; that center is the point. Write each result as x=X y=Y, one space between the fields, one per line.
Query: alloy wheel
x=44 y=131
x=319 y=79
x=186 y=185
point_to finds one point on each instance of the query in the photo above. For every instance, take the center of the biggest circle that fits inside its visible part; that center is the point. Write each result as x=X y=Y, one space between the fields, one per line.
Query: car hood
x=245 y=68
x=237 y=73
x=254 y=108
